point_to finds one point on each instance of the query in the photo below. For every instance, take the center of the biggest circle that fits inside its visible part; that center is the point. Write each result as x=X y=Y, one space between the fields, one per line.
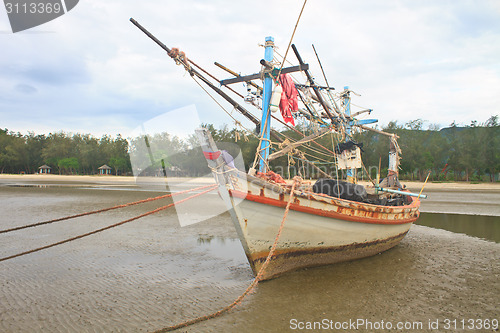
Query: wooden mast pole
x=266 y=114
x=351 y=173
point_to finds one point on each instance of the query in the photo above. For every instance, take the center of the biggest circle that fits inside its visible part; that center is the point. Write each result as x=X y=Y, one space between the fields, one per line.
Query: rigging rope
x=237 y=122
x=211 y=188
x=237 y=301
x=259 y=151
x=308 y=146
x=291 y=39
x=252 y=133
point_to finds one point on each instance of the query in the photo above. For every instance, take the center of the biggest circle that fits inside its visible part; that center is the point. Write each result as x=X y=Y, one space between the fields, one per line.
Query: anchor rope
x=296 y=181
x=102 y=210
x=212 y=187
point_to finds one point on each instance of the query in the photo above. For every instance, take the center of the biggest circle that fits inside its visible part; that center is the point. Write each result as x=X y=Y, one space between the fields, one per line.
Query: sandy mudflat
x=151 y=273
x=129 y=180
x=452 y=186
x=75 y=178
x=414 y=186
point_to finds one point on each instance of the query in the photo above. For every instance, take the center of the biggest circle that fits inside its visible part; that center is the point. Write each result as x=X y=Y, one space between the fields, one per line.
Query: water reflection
x=40 y=185
x=207 y=239
x=487 y=227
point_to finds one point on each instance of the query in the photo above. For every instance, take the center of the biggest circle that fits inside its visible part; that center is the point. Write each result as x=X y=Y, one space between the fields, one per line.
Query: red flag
x=289 y=98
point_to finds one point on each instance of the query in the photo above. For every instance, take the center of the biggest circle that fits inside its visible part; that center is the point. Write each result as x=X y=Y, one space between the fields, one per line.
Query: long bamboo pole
x=235 y=104
x=236 y=74
x=219 y=91
x=289 y=147
x=377 y=131
x=313 y=84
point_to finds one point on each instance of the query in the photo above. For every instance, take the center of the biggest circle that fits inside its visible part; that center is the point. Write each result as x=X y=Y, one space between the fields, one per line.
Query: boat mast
x=392 y=172
x=266 y=114
x=351 y=173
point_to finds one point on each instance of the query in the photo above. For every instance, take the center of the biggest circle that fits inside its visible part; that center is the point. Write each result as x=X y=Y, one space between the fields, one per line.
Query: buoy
x=276 y=98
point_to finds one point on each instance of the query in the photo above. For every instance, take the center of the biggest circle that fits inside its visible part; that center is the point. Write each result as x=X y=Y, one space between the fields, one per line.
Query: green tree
x=119 y=164
x=34 y=146
x=68 y=165
x=12 y=152
x=57 y=146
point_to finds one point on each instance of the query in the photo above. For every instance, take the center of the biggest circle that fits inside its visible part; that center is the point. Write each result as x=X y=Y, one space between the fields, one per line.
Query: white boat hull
x=318 y=230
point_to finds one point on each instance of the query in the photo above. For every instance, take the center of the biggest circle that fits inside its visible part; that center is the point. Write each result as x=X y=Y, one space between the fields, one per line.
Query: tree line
x=64 y=153
x=455 y=153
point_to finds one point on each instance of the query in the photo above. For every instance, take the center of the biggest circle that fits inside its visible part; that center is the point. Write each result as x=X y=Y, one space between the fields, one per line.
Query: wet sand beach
x=151 y=273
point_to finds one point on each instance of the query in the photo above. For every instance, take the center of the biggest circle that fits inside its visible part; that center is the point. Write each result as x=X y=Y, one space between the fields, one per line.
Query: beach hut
x=45 y=169
x=105 y=170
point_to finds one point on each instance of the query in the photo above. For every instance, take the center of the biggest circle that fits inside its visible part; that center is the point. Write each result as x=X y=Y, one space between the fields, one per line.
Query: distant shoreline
x=412 y=185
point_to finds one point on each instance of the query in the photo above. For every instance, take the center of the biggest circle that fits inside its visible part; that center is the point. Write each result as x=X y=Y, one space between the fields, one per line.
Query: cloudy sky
x=92 y=71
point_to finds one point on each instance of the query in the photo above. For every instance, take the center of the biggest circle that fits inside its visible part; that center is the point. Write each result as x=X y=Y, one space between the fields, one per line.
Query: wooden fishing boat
x=319 y=230
x=324 y=225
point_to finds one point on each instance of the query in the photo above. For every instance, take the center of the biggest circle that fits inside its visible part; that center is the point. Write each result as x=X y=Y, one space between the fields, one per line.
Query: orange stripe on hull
x=322 y=212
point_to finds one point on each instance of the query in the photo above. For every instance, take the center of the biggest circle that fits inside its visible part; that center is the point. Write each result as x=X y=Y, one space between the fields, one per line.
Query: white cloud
x=93 y=71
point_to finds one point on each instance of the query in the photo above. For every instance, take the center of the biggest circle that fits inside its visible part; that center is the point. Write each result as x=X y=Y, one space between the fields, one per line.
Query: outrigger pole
x=235 y=104
x=313 y=85
x=236 y=74
x=193 y=72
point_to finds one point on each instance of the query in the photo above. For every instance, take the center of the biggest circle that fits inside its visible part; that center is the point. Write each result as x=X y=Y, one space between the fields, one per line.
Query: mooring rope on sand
x=210 y=188
x=104 y=209
x=237 y=301
x=296 y=181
